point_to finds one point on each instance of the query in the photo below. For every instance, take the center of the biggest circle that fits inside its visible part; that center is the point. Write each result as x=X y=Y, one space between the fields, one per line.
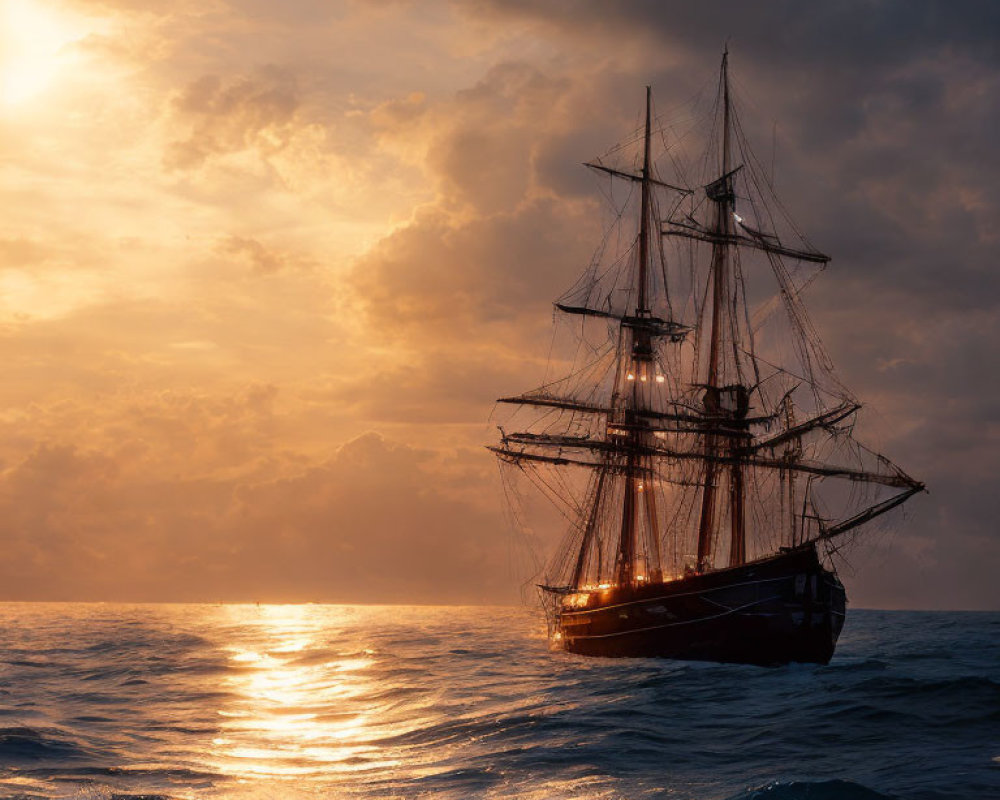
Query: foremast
x=634 y=392
x=624 y=457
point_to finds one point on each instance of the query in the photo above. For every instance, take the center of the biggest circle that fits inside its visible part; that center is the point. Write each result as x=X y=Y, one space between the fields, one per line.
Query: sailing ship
x=700 y=443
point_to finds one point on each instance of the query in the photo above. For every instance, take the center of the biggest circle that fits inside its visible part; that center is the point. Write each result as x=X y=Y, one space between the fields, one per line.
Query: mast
x=720 y=401
x=722 y=229
x=589 y=530
x=641 y=301
x=638 y=374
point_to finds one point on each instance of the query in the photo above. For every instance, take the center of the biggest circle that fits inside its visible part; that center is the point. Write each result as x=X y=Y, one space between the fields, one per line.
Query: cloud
x=449 y=276
x=233 y=115
x=263 y=260
x=237 y=238
x=370 y=524
x=22 y=252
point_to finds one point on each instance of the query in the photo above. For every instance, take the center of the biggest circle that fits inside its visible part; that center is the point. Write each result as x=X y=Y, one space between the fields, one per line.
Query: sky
x=264 y=268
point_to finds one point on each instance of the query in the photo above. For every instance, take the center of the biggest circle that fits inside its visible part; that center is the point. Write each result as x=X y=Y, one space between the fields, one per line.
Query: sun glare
x=297 y=708
x=34 y=49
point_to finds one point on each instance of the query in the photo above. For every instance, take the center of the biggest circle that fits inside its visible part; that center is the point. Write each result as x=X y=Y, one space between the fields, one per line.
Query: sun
x=34 y=41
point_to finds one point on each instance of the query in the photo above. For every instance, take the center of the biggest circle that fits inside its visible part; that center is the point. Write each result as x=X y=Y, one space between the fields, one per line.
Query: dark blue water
x=106 y=701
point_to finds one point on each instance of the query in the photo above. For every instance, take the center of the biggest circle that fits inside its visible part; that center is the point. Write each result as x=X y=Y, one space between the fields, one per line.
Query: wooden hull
x=773 y=611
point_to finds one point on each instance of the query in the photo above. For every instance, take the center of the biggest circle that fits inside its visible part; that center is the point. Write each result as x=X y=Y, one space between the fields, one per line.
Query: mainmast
x=641 y=302
x=723 y=197
x=724 y=404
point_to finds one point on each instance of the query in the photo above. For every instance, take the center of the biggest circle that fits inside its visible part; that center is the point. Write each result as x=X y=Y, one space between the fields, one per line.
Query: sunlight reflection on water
x=296 y=709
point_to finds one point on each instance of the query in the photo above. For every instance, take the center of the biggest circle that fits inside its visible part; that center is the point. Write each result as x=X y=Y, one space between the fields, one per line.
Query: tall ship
x=699 y=443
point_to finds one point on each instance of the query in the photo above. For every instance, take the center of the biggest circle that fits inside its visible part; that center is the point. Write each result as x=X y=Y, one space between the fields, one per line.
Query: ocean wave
x=21 y=744
x=812 y=790
x=306 y=702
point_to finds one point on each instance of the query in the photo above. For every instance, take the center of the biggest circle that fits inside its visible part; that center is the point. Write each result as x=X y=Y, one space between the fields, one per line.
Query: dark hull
x=772 y=611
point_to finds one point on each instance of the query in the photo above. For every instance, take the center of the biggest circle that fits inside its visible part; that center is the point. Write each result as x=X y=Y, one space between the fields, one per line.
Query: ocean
x=315 y=701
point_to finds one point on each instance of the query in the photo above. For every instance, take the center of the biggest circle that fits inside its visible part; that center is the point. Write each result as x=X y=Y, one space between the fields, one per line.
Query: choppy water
x=105 y=701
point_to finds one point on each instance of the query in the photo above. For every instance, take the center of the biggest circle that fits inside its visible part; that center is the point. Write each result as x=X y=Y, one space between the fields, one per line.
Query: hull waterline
x=787 y=608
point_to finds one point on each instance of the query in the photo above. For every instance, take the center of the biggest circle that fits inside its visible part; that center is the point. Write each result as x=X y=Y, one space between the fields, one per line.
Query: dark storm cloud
x=886 y=112
x=785 y=33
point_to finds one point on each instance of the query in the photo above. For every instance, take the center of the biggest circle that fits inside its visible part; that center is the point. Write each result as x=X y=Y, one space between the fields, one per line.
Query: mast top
x=642 y=303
